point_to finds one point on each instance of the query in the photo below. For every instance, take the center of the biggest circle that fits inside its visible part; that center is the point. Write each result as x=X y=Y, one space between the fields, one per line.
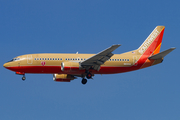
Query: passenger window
x=42 y=58
x=50 y=58
x=114 y=59
x=81 y=59
x=119 y=59
x=122 y=59
x=75 y=59
x=61 y=59
x=34 y=58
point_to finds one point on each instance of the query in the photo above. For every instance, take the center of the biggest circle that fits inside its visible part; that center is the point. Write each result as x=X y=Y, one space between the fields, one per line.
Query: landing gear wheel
x=84 y=81
x=89 y=75
x=23 y=78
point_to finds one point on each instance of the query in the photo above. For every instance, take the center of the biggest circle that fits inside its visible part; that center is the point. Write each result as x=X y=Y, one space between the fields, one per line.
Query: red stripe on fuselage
x=74 y=70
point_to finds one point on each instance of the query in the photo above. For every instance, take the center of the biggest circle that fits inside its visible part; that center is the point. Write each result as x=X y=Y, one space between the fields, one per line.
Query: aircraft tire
x=89 y=75
x=23 y=78
x=84 y=81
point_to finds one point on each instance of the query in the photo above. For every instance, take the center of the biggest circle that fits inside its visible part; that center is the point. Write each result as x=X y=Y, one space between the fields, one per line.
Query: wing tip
x=172 y=48
x=117 y=45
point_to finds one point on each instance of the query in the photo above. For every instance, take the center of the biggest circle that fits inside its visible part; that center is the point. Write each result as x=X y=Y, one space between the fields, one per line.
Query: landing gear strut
x=84 y=81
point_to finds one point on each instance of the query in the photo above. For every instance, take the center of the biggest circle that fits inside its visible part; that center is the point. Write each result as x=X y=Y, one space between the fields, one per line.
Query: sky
x=89 y=26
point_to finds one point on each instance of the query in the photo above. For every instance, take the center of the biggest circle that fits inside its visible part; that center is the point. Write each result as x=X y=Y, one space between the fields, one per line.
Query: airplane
x=67 y=67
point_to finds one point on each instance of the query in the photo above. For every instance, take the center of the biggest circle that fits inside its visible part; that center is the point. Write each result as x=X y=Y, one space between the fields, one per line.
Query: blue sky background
x=89 y=27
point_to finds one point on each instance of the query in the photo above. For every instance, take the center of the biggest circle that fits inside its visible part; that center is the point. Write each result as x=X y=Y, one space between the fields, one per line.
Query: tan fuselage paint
x=29 y=59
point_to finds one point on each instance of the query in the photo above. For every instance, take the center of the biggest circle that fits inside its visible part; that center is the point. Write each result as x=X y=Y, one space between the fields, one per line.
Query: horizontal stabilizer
x=161 y=54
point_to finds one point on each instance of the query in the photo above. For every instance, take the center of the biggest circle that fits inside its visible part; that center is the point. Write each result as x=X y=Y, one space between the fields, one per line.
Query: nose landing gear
x=21 y=73
x=23 y=78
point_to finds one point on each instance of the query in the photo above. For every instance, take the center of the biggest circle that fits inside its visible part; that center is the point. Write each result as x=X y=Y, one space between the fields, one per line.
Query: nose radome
x=5 y=65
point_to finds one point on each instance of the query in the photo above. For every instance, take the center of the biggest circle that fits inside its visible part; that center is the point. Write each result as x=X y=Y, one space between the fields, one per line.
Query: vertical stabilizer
x=152 y=44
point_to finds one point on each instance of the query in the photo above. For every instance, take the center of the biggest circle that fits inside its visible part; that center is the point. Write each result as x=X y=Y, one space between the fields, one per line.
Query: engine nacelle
x=63 y=77
x=70 y=66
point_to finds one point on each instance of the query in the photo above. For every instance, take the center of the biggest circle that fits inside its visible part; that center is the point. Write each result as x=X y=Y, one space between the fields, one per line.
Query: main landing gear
x=84 y=81
x=88 y=76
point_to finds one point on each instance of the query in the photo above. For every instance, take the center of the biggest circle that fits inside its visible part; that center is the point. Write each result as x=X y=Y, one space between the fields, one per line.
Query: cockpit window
x=14 y=59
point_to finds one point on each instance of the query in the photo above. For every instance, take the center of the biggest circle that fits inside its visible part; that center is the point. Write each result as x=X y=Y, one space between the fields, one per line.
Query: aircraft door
x=29 y=59
x=135 y=60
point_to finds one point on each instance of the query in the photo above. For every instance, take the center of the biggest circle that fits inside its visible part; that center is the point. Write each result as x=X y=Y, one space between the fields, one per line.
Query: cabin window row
x=47 y=58
x=59 y=59
x=75 y=59
x=118 y=60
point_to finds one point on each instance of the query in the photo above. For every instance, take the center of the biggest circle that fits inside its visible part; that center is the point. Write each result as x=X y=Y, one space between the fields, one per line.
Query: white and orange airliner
x=67 y=67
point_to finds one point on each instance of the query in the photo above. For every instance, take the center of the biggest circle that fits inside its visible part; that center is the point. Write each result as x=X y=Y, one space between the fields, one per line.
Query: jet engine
x=63 y=77
x=70 y=66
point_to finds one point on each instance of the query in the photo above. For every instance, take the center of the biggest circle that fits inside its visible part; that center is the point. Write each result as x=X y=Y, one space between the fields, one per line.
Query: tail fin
x=152 y=44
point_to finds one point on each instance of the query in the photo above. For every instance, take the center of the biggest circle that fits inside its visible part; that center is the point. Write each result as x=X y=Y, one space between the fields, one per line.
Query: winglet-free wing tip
x=173 y=48
x=117 y=45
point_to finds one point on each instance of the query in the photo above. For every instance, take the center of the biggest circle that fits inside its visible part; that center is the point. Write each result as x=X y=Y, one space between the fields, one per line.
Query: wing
x=97 y=60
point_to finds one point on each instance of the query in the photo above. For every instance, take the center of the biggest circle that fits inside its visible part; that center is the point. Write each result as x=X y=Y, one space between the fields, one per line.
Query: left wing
x=97 y=60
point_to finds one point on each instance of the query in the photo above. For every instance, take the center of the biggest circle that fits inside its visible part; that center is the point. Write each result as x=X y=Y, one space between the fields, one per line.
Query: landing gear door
x=29 y=59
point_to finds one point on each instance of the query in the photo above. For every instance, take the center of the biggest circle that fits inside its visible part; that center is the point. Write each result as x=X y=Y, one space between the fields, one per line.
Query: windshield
x=14 y=59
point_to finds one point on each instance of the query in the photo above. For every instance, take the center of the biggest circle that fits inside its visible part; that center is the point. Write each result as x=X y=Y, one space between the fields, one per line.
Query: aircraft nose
x=5 y=65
